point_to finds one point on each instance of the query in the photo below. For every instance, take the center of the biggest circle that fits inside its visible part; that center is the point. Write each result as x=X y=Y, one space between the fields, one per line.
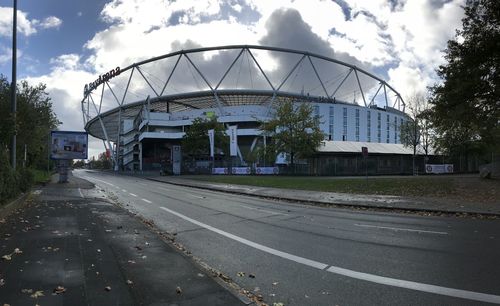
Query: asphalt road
x=304 y=255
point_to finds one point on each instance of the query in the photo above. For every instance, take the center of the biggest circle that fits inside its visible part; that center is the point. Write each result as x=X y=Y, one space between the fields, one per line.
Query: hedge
x=12 y=183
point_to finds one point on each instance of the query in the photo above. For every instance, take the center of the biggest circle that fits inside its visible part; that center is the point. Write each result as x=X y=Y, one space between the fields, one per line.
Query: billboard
x=68 y=145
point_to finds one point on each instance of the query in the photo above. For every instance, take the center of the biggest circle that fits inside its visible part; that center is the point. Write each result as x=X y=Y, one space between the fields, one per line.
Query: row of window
x=331 y=123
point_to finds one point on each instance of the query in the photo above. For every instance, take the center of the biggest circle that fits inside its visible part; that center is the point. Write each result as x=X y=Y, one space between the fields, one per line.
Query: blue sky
x=80 y=21
x=66 y=44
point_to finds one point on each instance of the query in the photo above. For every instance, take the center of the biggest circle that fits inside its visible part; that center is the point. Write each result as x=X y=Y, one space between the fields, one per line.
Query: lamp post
x=13 y=84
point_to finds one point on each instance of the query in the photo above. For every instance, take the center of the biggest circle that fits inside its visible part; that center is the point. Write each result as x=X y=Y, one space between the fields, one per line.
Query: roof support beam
x=317 y=75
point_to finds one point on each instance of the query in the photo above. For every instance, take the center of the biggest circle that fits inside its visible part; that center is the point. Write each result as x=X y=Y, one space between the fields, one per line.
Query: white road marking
x=81 y=194
x=264 y=210
x=162 y=188
x=401 y=229
x=195 y=196
x=465 y=294
x=124 y=190
x=301 y=260
x=132 y=194
x=104 y=182
x=147 y=201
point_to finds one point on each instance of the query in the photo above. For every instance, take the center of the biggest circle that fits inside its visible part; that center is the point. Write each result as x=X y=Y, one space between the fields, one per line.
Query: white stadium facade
x=141 y=112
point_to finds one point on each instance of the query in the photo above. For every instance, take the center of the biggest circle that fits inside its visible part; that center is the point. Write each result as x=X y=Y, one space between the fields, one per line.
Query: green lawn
x=401 y=186
x=41 y=176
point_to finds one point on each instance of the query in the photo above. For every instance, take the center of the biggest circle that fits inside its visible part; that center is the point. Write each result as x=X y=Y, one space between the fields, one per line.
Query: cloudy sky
x=66 y=44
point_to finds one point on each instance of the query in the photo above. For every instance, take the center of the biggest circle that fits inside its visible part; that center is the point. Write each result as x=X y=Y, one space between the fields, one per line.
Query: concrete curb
x=11 y=206
x=343 y=205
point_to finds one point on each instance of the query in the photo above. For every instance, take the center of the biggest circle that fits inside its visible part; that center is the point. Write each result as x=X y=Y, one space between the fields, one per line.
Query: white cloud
x=25 y=25
x=50 y=22
x=408 y=37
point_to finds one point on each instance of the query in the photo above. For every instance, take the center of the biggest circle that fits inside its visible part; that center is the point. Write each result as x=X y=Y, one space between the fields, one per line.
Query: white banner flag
x=233 y=140
x=211 y=139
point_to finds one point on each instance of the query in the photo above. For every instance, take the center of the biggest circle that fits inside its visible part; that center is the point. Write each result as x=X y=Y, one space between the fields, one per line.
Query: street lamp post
x=13 y=84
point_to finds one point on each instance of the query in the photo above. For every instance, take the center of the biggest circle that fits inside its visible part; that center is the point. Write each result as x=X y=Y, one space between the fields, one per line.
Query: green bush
x=13 y=182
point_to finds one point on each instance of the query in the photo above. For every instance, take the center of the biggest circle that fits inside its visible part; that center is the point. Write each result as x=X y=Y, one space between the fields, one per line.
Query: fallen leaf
x=18 y=251
x=98 y=250
x=275 y=283
x=278 y=304
x=59 y=290
x=107 y=288
x=7 y=257
x=2 y=282
x=27 y=290
x=241 y=274
x=259 y=297
x=131 y=261
x=37 y=294
x=178 y=290
x=129 y=282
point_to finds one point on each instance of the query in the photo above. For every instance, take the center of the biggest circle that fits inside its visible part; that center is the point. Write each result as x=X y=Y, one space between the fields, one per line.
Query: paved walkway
x=71 y=246
x=434 y=205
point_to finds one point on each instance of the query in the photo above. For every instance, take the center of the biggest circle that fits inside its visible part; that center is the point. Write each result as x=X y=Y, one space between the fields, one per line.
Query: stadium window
x=395 y=129
x=331 y=123
x=344 y=133
x=357 y=124
x=387 y=123
x=369 y=126
x=379 y=127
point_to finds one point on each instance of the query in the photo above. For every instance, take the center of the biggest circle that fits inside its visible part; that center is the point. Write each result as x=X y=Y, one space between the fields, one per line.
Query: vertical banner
x=211 y=139
x=176 y=160
x=233 y=141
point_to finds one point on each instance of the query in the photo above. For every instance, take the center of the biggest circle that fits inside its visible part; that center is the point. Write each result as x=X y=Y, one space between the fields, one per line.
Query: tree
x=34 y=121
x=466 y=105
x=196 y=142
x=416 y=132
x=294 y=130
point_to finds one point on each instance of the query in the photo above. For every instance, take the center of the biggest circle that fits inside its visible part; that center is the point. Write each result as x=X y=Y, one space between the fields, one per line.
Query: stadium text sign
x=101 y=79
x=69 y=145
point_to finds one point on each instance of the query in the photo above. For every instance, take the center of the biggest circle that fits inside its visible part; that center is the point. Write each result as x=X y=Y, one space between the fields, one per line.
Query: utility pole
x=13 y=84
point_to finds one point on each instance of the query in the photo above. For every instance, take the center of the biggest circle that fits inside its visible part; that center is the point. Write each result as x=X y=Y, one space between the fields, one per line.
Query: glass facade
x=331 y=123
x=368 y=126
x=379 y=127
x=344 y=131
x=357 y=124
x=388 y=124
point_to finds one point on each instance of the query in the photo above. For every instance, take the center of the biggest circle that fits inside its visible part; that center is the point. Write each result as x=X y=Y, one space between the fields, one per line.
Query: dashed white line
x=401 y=229
x=146 y=200
x=104 y=182
x=124 y=190
x=264 y=210
x=81 y=194
x=195 y=196
x=465 y=294
x=132 y=194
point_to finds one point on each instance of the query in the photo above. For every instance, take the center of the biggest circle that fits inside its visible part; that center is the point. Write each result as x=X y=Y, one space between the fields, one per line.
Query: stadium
x=141 y=112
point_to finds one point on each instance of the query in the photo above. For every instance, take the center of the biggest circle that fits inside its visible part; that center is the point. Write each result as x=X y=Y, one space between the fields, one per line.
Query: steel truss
x=92 y=110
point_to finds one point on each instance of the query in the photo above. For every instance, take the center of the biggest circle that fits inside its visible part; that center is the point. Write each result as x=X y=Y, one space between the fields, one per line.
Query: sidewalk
x=70 y=246
x=424 y=205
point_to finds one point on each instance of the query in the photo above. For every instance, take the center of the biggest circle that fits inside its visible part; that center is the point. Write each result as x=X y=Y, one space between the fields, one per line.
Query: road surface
x=305 y=255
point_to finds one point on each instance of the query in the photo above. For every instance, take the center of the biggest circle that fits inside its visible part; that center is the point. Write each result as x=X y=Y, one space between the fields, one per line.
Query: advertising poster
x=68 y=145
